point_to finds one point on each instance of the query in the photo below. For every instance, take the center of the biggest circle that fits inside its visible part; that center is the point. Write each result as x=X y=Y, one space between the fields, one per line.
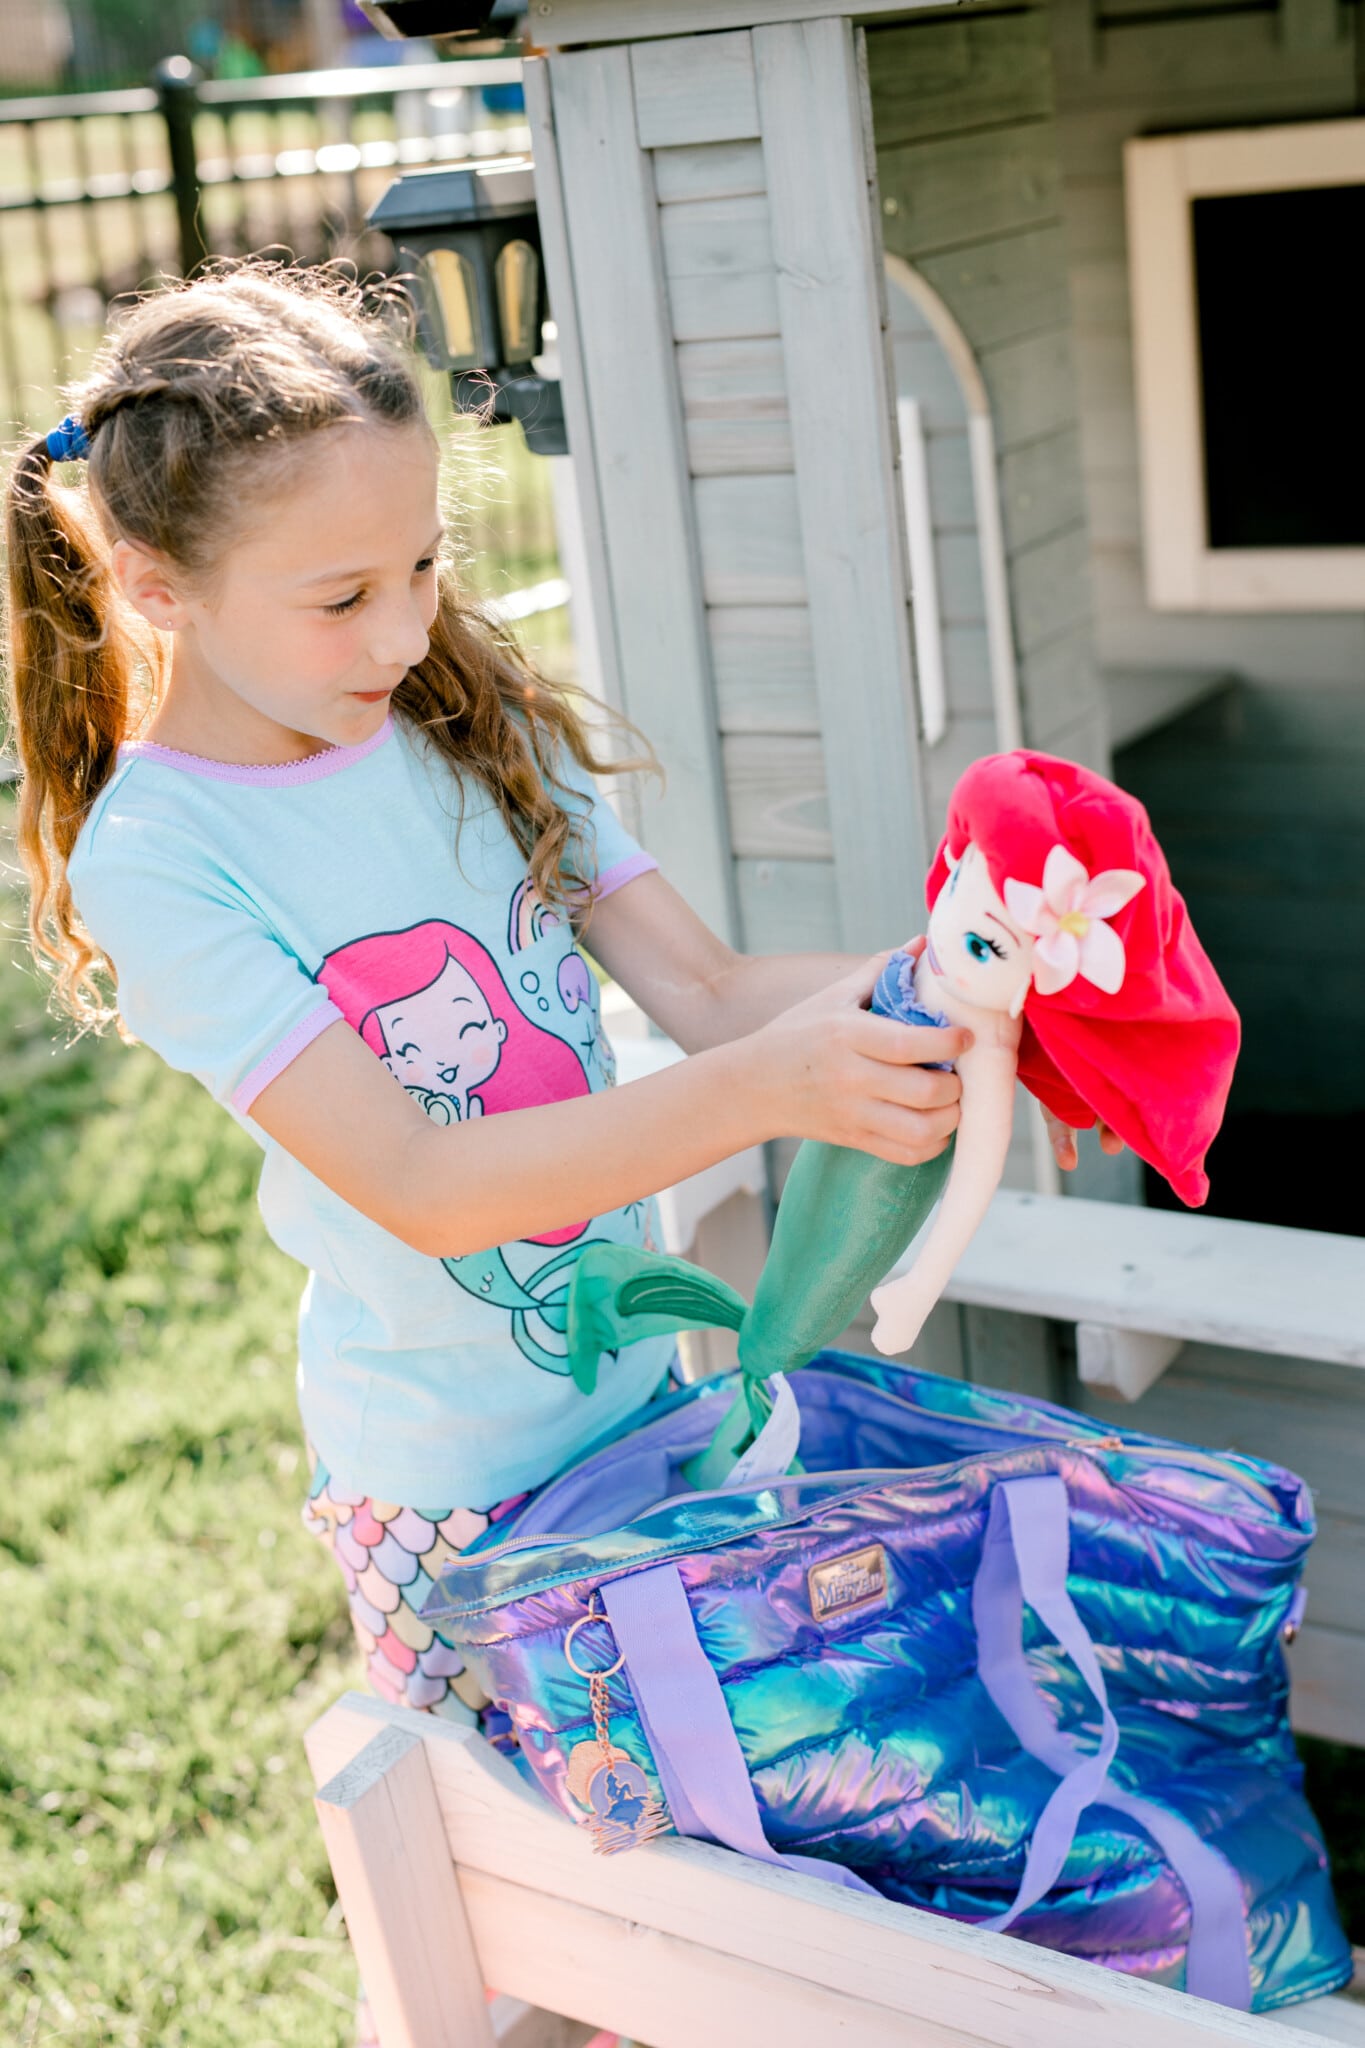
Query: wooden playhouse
x=907 y=358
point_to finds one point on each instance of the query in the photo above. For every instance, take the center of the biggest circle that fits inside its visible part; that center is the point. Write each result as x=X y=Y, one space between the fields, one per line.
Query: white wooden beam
x=1201 y=1279
x=1122 y=1362
x=397 y=1887
x=919 y=526
x=582 y=476
x=605 y=263
x=681 y=1941
x=562 y=22
x=831 y=307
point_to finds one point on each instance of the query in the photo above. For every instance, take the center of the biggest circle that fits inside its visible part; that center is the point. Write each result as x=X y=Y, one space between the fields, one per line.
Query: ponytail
x=68 y=688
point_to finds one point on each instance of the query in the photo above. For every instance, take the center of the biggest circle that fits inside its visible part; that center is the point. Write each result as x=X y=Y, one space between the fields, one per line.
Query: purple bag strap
x=687 y=1724
x=1025 y=1558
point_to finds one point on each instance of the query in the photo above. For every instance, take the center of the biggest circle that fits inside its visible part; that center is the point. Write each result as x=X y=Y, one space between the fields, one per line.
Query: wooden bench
x=1140 y=1283
x=454 y=1874
x=1137 y=1283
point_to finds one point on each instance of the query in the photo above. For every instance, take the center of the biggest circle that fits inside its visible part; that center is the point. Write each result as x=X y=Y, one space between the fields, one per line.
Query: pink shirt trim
x=289 y=1048
x=273 y=775
x=624 y=871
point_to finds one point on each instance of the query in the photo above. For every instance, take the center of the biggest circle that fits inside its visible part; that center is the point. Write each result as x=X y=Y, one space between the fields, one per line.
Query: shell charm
x=604 y=1778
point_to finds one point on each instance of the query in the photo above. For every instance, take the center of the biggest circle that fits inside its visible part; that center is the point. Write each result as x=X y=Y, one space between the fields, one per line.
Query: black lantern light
x=474 y=239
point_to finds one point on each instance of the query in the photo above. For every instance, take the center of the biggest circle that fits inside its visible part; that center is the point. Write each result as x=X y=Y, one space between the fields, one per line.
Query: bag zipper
x=867 y=1483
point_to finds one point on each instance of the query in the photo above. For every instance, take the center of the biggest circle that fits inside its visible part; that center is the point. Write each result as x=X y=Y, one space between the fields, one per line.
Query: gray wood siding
x=1274 y=872
x=801 y=851
x=971 y=182
x=1257 y=794
x=1194 y=68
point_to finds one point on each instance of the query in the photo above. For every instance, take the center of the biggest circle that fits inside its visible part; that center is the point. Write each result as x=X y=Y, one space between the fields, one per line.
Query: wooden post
x=827 y=251
x=402 y=1902
x=605 y=271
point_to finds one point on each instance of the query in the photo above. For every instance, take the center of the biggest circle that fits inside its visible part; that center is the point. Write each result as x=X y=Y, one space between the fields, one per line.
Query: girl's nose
x=400 y=638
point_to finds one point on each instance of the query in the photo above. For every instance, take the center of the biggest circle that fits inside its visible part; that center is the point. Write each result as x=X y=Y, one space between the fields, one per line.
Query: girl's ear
x=146 y=580
x=1020 y=996
x=950 y=859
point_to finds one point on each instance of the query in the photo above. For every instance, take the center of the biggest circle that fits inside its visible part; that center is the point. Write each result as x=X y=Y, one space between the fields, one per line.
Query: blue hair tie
x=69 y=442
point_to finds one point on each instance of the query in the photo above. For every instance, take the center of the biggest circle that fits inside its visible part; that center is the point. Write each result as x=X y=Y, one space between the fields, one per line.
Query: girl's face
x=320 y=610
x=444 y=1039
x=974 y=943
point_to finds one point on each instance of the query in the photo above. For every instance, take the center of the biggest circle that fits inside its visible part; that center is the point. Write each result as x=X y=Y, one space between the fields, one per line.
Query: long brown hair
x=194 y=410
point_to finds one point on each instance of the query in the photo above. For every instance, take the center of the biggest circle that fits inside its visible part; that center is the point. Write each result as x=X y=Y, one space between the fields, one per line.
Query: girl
x=309 y=825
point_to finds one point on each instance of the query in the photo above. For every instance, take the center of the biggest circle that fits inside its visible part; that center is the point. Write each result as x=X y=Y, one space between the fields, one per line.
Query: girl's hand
x=1064 y=1140
x=828 y=1068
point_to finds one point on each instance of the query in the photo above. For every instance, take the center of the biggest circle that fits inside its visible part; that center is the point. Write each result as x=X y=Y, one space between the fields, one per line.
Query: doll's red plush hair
x=1154 y=1061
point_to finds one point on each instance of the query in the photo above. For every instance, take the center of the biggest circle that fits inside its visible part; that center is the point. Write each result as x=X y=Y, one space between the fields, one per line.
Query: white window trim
x=1162 y=175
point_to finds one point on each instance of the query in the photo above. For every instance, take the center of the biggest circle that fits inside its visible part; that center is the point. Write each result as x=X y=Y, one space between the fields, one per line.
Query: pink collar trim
x=271 y=775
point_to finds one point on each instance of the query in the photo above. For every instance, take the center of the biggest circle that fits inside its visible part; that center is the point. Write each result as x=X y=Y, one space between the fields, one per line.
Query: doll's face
x=974 y=943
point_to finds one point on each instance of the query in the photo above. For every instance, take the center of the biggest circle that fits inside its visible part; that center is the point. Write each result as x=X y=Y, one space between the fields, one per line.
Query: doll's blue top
x=894 y=996
x=248 y=910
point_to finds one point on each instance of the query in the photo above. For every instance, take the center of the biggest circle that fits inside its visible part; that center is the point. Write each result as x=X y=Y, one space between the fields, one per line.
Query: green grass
x=170 y=1630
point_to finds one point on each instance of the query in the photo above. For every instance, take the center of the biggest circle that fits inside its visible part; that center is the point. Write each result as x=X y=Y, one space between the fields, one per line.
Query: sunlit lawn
x=169 y=1628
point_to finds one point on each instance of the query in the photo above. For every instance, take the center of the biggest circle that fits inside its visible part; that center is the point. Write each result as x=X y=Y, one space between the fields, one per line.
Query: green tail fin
x=619 y=1295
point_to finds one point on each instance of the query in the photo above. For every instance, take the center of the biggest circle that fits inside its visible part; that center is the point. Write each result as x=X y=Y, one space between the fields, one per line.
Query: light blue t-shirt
x=246 y=910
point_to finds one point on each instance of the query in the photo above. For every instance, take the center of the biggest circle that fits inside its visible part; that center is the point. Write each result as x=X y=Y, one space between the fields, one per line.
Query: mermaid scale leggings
x=390 y=1558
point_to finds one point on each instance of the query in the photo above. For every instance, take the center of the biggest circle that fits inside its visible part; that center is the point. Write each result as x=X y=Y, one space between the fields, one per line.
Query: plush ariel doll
x=1056 y=935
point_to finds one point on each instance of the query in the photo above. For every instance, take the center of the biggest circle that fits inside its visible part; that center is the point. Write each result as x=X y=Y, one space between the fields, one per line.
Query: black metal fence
x=101 y=193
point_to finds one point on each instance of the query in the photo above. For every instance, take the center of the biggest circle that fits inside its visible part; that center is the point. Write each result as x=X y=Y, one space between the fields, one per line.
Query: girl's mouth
x=371 y=696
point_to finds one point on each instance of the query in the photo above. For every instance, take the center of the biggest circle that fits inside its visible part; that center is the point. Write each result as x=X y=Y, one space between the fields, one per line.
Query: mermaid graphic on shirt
x=432 y=1003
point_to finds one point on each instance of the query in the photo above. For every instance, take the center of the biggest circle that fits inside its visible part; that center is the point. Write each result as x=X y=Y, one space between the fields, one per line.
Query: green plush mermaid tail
x=620 y=1295
x=844 y=1220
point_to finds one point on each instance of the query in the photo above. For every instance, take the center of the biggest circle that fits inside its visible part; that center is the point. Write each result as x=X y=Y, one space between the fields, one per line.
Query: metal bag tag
x=602 y=1777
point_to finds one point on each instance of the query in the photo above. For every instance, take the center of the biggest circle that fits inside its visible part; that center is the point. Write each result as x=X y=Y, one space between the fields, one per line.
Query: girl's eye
x=465 y=1029
x=348 y=604
x=401 y=1052
x=981 y=949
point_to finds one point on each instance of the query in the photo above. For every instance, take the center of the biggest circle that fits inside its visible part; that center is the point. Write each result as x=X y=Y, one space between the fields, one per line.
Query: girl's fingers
x=907 y=1137
x=856 y=987
x=914 y=1088
x=1063 y=1140
x=906 y=1045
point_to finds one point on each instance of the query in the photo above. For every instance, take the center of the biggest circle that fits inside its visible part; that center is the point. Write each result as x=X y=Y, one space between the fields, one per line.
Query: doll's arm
x=983 y=1136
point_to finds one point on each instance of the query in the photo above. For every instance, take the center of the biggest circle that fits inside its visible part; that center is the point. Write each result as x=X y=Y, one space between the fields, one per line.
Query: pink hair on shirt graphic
x=432 y=1004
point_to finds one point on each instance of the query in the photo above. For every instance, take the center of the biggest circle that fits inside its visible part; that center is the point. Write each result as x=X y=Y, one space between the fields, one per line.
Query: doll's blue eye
x=981 y=949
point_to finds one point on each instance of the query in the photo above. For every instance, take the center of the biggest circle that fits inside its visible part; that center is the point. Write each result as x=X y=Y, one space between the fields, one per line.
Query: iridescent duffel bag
x=980 y=1654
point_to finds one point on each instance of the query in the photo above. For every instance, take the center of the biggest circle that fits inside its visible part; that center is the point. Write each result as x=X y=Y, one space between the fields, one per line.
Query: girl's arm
x=826 y=1068
x=695 y=987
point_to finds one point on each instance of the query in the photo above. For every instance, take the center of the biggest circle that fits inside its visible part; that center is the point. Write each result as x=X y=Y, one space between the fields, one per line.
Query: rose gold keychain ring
x=593 y=1614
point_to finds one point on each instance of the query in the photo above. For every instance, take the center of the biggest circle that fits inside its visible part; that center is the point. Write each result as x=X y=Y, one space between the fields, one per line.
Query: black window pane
x=1281 y=344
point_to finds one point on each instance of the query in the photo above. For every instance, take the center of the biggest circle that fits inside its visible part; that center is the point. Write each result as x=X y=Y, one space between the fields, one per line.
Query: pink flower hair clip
x=1066 y=918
